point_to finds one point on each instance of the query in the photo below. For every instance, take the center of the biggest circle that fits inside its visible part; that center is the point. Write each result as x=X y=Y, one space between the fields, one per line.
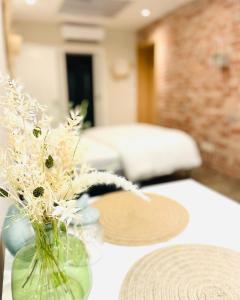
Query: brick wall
x=192 y=92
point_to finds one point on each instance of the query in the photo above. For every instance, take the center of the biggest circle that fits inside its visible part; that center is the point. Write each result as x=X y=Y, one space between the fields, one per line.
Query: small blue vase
x=87 y=214
x=17 y=230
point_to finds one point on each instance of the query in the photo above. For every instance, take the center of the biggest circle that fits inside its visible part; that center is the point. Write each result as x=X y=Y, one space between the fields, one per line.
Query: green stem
x=50 y=252
x=29 y=276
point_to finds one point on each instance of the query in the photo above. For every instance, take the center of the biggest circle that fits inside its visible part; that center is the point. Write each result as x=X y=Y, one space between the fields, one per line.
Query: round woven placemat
x=129 y=220
x=185 y=273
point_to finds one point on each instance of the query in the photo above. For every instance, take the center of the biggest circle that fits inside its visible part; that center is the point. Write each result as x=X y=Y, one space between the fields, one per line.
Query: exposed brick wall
x=192 y=93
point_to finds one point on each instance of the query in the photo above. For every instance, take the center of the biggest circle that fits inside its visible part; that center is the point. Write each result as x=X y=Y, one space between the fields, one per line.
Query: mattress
x=146 y=151
x=101 y=156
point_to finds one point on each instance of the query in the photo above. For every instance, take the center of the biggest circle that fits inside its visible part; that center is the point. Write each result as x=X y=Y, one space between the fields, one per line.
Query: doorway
x=146 y=88
x=80 y=82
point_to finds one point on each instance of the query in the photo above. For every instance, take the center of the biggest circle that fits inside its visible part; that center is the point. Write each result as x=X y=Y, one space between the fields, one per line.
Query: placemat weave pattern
x=129 y=220
x=190 y=272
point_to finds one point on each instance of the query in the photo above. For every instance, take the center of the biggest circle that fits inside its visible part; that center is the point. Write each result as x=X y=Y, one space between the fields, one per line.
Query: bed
x=141 y=151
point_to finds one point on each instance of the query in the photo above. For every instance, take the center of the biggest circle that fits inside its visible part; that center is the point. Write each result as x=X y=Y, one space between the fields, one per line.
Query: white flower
x=66 y=211
x=43 y=168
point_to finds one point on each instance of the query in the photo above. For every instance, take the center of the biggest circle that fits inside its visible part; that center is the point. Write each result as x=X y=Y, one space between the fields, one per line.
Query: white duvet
x=147 y=151
x=101 y=156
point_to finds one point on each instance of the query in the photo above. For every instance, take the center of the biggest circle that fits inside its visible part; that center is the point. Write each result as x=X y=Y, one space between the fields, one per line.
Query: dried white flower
x=43 y=168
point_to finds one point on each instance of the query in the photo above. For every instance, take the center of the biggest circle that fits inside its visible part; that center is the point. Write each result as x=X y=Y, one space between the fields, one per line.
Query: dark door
x=80 y=82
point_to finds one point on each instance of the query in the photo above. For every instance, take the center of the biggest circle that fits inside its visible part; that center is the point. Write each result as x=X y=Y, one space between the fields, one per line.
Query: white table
x=214 y=219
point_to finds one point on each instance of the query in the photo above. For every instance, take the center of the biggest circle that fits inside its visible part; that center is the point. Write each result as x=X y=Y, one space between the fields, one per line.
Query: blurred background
x=88 y=44
x=173 y=63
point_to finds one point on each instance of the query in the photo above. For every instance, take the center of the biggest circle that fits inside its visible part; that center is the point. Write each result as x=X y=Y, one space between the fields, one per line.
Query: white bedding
x=147 y=151
x=101 y=156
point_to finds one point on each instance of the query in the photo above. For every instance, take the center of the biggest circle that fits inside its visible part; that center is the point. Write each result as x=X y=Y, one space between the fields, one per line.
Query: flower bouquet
x=43 y=171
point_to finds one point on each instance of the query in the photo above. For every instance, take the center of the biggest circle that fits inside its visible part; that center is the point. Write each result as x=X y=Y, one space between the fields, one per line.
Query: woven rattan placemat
x=129 y=220
x=190 y=272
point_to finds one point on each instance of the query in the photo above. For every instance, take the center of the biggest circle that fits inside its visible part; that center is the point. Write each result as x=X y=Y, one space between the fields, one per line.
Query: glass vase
x=55 y=266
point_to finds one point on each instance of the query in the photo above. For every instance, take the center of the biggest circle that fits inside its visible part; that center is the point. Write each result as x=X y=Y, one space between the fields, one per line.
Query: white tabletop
x=214 y=219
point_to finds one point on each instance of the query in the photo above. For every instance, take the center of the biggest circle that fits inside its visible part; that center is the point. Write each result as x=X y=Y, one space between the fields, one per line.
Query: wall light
x=145 y=12
x=31 y=2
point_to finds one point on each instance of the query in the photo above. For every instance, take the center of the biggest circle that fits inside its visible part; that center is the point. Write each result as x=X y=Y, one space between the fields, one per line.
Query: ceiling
x=102 y=8
x=111 y=13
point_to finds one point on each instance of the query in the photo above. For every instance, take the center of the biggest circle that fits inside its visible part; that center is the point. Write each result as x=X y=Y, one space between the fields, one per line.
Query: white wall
x=121 y=45
x=38 y=68
x=3 y=64
x=40 y=33
x=115 y=99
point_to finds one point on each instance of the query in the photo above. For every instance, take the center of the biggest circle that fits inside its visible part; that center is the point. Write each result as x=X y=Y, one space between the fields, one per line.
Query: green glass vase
x=55 y=266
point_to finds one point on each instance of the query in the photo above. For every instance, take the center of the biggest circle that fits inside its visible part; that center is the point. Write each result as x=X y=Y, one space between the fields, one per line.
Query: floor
x=221 y=183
